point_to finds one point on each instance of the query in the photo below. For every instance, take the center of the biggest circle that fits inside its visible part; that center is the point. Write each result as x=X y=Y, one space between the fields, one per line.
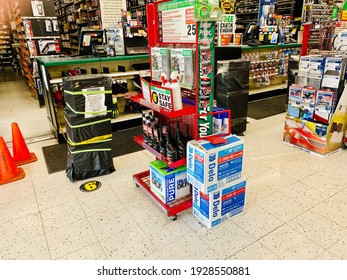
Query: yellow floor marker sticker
x=90 y=186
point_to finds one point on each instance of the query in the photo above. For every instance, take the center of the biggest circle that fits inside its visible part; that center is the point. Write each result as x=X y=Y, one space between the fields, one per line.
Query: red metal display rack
x=186 y=115
x=187 y=110
x=172 y=209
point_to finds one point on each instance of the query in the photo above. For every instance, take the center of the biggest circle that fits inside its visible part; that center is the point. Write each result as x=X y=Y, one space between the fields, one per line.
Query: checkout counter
x=52 y=69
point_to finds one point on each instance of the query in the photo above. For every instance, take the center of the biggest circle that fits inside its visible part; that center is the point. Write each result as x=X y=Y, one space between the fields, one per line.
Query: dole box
x=214 y=166
x=168 y=183
x=219 y=205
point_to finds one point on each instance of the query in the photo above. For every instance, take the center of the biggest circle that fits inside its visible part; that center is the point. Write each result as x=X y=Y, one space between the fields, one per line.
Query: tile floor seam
x=327 y=249
x=244 y=232
x=257 y=240
x=96 y=237
x=77 y=251
x=43 y=228
x=311 y=238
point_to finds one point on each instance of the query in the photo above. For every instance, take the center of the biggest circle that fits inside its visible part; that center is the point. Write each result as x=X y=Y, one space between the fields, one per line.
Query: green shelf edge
x=292 y=45
x=60 y=61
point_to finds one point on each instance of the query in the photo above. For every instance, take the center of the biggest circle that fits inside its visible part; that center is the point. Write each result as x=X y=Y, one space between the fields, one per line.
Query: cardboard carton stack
x=88 y=126
x=215 y=171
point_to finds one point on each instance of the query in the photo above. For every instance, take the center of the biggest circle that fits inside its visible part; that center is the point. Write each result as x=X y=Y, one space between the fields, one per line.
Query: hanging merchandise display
x=185 y=45
x=205 y=69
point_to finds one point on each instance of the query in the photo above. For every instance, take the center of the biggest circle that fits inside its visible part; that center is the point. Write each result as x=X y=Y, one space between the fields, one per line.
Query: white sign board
x=111 y=12
x=176 y=22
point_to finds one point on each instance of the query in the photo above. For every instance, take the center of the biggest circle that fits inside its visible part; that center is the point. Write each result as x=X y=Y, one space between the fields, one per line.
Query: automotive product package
x=183 y=61
x=160 y=58
x=168 y=184
x=210 y=166
x=219 y=205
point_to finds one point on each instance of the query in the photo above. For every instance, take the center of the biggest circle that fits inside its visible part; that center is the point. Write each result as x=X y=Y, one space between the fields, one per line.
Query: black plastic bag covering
x=232 y=91
x=87 y=161
x=80 y=130
x=84 y=82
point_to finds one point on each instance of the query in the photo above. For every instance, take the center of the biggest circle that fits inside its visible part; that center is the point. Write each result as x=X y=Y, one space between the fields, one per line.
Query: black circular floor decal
x=90 y=186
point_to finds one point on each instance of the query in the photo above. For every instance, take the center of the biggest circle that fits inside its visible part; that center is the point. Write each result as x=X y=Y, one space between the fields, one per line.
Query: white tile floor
x=296 y=208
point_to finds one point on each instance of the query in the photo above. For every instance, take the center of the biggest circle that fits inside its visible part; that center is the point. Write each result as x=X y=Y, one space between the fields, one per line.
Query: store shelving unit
x=285 y=7
x=316 y=13
x=246 y=12
x=270 y=60
x=73 y=15
x=35 y=35
x=6 y=54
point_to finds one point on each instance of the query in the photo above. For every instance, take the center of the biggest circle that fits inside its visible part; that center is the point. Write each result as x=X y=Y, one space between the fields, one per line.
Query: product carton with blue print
x=219 y=205
x=294 y=98
x=210 y=167
x=316 y=71
x=304 y=67
x=168 y=183
x=308 y=97
x=324 y=105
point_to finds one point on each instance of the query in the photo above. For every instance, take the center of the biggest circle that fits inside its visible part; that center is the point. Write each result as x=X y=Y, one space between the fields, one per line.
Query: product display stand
x=183 y=32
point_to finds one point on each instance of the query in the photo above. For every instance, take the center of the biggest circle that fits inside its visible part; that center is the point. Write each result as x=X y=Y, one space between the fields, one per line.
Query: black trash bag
x=90 y=160
x=73 y=86
x=232 y=91
x=79 y=129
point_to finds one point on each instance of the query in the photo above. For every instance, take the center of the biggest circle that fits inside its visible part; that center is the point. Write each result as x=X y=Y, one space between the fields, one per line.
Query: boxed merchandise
x=294 y=99
x=302 y=80
x=182 y=61
x=89 y=160
x=219 y=205
x=316 y=71
x=318 y=138
x=335 y=68
x=324 y=105
x=307 y=103
x=304 y=65
x=214 y=166
x=316 y=67
x=160 y=58
x=79 y=129
x=88 y=95
x=168 y=183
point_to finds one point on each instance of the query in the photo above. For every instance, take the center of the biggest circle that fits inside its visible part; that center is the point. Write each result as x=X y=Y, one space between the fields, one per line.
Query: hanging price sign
x=176 y=22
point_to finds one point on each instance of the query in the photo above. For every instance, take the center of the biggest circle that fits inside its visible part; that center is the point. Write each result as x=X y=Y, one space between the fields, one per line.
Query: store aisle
x=296 y=209
x=17 y=105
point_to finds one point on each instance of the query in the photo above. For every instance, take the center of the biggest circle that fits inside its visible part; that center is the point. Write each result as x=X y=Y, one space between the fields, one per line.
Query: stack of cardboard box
x=215 y=171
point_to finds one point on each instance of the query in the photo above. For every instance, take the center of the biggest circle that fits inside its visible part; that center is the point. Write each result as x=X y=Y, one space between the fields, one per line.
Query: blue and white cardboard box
x=219 y=205
x=210 y=167
x=168 y=183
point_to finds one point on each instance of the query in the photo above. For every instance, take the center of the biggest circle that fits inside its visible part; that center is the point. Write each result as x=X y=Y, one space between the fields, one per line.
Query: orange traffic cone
x=8 y=169
x=21 y=154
